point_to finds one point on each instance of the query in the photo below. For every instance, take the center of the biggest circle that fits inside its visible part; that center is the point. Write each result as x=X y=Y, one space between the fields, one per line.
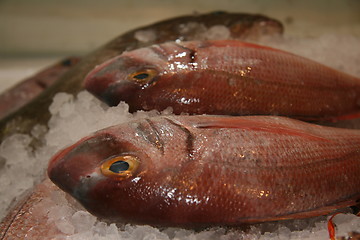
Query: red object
x=206 y=170
x=225 y=77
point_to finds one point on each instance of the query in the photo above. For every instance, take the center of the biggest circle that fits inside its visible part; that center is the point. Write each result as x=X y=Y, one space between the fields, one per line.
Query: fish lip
x=86 y=183
x=62 y=153
x=65 y=180
x=75 y=169
x=55 y=160
x=107 y=84
x=121 y=90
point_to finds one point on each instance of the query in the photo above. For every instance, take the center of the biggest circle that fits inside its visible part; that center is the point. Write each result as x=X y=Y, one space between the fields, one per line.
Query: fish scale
x=243 y=26
x=214 y=170
x=225 y=77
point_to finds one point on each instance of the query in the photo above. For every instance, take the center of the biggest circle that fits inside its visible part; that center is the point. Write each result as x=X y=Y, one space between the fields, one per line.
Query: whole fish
x=238 y=25
x=225 y=77
x=211 y=170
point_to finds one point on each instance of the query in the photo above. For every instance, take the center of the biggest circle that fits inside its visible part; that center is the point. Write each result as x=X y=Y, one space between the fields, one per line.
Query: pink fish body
x=224 y=77
x=211 y=170
x=28 y=219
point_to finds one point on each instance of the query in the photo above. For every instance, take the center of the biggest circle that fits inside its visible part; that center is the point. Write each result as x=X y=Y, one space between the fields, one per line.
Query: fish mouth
x=62 y=171
x=120 y=91
x=101 y=77
x=108 y=81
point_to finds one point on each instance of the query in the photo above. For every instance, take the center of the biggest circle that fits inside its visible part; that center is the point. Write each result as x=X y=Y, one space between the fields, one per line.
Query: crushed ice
x=76 y=117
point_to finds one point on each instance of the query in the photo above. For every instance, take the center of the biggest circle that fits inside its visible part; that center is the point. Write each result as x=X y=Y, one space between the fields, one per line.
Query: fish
x=28 y=218
x=19 y=224
x=203 y=170
x=225 y=77
x=20 y=94
x=187 y=27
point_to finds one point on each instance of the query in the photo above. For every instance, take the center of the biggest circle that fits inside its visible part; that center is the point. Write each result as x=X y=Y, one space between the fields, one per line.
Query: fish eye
x=144 y=76
x=120 y=166
x=141 y=76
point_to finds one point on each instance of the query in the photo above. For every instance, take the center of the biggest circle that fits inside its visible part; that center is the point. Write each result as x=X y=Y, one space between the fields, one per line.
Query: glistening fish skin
x=240 y=26
x=28 y=219
x=211 y=170
x=225 y=77
x=187 y=27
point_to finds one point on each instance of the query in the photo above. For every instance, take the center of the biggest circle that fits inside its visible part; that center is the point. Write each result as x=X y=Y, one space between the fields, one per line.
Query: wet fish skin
x=225 y=77
x=20 y=94
x=241 y=25
x=213 y=170
x=28 y=219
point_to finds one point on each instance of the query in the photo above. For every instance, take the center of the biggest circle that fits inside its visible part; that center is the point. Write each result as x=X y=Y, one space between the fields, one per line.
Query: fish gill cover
x=73 y=118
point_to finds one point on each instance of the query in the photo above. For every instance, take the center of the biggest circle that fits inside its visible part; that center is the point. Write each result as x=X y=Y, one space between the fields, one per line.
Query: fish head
x=105 y=172
x=124 y=77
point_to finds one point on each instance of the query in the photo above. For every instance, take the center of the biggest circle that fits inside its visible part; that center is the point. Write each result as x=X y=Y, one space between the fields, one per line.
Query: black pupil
x=119 y=166
x=141 y=76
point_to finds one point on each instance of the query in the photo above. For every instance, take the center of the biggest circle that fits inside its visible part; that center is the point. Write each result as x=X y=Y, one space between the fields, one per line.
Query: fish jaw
x=67 y=168
x=113 y=81
x=186 y=178
x=227 y=77
x=106 y=81
x=76 y=169
x=95 y=75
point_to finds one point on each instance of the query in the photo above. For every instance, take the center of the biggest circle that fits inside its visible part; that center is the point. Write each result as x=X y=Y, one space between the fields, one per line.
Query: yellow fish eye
x=144 y=76
x=120 y=166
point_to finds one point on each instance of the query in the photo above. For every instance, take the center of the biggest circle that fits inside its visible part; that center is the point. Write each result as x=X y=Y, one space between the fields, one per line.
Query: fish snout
x=67 y=172
x=109 y=82
x=121 y=91
x=99 y=79
x=70 y=167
